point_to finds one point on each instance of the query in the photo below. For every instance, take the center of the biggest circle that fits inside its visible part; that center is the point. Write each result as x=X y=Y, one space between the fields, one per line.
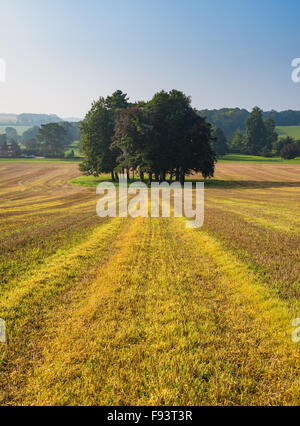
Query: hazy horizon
x=81 y=118
x=61 y=56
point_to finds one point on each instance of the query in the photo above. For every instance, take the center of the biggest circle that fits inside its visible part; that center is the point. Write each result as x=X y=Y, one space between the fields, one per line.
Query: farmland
x=256 y=159
x=144 y=311
x=291 y=131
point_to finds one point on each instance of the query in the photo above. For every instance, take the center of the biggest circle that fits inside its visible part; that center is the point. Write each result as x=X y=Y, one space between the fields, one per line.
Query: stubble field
x=144 y=311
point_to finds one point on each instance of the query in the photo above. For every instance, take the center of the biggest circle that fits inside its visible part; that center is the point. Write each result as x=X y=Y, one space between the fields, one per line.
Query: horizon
x=82 y=118
x=208 y=51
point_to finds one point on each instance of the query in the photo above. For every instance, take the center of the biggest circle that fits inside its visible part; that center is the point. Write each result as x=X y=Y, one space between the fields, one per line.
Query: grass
x=75 y=146
x=256 y=159
x=39 y=160
x=144 y=311
x=92 y=182
x=292 y=131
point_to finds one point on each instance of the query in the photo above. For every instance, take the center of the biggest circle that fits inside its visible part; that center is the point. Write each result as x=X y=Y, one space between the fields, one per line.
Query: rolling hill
x=292 y=131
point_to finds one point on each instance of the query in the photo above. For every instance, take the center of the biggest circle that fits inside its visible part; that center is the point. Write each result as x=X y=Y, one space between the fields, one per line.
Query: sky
x=61 y=55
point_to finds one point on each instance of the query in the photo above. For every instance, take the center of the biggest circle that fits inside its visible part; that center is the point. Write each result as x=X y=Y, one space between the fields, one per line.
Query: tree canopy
x=260 y=134
x=51 y=137
x=220 y=145
x=232 y=119
x=97 y=132
x=289 y=151
x=159 y=137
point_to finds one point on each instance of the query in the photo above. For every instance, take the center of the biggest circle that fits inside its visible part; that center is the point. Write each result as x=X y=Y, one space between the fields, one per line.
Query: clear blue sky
x=63 y=54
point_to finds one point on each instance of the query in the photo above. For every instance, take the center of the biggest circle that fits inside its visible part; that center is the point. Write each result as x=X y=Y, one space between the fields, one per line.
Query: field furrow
x=191 y=327
x=144 y=311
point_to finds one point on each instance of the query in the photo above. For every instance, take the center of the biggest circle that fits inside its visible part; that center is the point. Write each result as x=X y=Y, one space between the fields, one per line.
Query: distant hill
x=72 y=119
x=28 y=119
x=230 y=119
x=8 y=119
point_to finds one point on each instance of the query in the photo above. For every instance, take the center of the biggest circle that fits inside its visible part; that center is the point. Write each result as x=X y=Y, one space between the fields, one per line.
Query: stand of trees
x=259 y=138
x=164 y=136
x=232 y=119
x=287 y=148
x=260 y=134
x=220 y=144
x=9 y=149
x=289 y=151
x=49 y=140
x=51 y=137
x=227 y=119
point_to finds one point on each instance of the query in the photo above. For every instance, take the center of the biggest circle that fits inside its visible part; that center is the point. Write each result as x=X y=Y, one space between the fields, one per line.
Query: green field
x=255 y=159
x=75 y=146
x=292 y=131
x=38 y=160
x=89 y=181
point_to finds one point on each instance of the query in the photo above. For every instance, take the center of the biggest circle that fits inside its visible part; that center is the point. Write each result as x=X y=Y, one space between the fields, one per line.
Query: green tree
x=167 y=117
x=3 y=139
x=201 y=157
x=12 y=134
x=281 y=142
x=289 y=151
x=165 y=136
x=271 y=136
x=4 y=149
x=97 y=131
x=228 y=119
x=219 y=142
x=71 y=132
x=30 y=134
x=32 y=147
x=15 y=149
x=238 y=142
x=51 y=137
x=117 y=101
x=132 y=139
x=255 y=132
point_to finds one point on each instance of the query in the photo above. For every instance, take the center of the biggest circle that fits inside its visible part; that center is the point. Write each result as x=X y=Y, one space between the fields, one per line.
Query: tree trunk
x=112 y=176
x=182 y=178
x=177 y=174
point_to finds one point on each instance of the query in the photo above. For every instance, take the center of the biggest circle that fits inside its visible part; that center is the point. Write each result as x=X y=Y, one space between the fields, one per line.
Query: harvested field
x=144 y=311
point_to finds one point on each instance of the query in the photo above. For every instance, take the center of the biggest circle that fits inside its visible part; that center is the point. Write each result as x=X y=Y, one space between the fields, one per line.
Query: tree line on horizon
x=159 y=125
x=253 y=133
x=49 y=140
x=260 y=139
x=231 y=119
